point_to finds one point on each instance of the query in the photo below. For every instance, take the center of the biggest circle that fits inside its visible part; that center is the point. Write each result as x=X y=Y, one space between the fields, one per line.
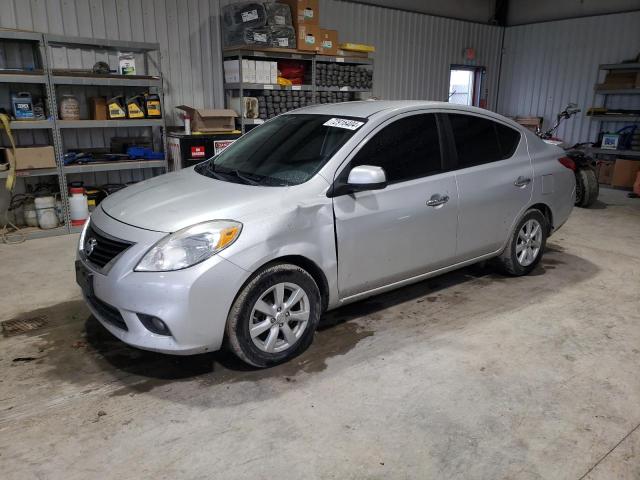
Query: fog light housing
x=154 y=325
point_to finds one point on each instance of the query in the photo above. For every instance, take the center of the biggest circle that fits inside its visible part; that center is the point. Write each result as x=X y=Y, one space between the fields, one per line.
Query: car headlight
x=190 y=246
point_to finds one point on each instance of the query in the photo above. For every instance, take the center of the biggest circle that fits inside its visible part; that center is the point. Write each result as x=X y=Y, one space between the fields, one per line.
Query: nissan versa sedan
x=314 y=209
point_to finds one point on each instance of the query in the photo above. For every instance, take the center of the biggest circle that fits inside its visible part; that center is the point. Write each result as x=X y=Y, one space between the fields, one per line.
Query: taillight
x=568 y=162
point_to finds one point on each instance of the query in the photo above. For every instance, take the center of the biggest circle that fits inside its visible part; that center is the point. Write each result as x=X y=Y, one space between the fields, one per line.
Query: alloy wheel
x=529 y=242
x=279 y=317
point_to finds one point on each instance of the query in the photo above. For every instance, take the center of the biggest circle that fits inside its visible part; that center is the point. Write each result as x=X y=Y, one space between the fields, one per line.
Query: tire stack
x=334 y=97
x=275 y=102
x=336 y=75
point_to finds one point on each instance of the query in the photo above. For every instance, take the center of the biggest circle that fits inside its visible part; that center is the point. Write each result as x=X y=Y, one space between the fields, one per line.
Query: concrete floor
x=470 y=375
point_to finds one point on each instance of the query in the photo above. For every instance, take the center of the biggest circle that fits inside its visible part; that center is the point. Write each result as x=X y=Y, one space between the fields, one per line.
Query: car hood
x=177 y=200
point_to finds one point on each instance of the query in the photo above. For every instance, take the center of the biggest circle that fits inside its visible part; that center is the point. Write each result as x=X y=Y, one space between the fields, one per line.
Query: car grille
x=107 y=312
x=99 y=249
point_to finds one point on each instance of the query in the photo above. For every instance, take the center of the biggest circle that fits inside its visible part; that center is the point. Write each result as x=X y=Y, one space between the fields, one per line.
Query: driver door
x=406 y=229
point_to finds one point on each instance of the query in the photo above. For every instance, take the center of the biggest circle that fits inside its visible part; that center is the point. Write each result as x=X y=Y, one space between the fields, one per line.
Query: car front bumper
x=193 y=303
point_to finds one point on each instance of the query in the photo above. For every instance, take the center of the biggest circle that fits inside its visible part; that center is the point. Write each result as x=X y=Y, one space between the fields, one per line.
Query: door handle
x=522 y=182
x=437 y=200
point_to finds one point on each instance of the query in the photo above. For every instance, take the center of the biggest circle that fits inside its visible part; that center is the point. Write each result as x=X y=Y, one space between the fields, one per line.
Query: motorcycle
x=584 y=166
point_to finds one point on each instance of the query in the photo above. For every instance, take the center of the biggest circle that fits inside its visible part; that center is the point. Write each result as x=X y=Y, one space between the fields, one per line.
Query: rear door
x=495 y=180
x=409 y=227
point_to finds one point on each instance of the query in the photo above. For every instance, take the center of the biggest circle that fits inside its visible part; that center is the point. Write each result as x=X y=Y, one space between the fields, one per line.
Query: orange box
x=309 y=37
x=304 y=12
x=328 y=42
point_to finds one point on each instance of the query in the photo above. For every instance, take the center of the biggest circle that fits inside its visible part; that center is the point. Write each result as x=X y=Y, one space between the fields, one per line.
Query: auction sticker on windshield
x=343 y=123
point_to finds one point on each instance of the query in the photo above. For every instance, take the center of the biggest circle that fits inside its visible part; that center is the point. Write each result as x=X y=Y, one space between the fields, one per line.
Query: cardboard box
x=604 y=171
x=625 y=173
x=98 y=108
x=309 y=38
x=304 y=12
x=207 y=120
x=328 y=42
x=28 y=158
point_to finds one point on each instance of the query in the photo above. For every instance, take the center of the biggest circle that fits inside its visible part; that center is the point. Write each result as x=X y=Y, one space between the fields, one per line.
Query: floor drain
x=22 y=325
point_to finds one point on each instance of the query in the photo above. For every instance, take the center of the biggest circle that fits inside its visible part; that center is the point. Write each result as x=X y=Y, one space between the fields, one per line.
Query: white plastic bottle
x=46 y=212
x=78 y=206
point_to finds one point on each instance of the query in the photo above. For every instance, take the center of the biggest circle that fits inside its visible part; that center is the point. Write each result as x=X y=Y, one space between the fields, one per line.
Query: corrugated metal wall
x=412 y=61
x=187 y=30
x=547 y=65
x=414 y=51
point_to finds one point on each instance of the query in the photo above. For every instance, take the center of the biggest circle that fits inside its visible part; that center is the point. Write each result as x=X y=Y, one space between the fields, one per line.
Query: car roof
x=369 y=108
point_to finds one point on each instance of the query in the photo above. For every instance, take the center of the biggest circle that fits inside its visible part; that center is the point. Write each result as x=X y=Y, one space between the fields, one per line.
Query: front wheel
x=587 y=187
x=275 y=316
x=526 y=246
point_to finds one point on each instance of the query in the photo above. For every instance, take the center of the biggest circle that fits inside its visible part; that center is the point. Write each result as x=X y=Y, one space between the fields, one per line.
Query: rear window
x=480 y=140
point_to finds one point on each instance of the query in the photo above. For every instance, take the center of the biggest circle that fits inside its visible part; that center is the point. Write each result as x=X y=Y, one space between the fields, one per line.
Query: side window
x=508 y=138
x=408 y=148
x=479 y=140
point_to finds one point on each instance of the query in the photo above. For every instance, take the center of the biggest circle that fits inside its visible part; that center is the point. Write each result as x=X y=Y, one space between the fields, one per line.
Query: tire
x=587 y=187
x=293 y=334
x=509 y=260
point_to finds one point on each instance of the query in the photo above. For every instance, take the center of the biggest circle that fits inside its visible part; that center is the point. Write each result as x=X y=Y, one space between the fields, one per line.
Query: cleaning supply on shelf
x=127 y=64
x=22 y=106
x=78 y=206
x=135 y=106
x=116 y=108
x=69 y=107
x=46 y=212
x=152 y=105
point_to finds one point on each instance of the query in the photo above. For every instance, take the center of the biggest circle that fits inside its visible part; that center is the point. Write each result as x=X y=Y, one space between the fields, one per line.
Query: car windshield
x=288 y=150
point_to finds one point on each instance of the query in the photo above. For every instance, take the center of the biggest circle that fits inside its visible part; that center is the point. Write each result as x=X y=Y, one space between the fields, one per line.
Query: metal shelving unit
x=600 y=91
x=283 y=54
x=52 y=79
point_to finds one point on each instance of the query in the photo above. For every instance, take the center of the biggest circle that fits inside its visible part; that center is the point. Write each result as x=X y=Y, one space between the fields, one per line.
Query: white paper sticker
x=296 y=87
x=283 y=42
x=280 y=20
x=343 y=123
x=267 y=86
x=249 y=15
x=308 y=13
x=339 y=60
x=220 y=145
x=260 y=37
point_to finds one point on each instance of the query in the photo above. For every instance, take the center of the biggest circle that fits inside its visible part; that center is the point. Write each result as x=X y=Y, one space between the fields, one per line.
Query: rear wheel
x=526 y=246
x=587 y=187
x=275 y=316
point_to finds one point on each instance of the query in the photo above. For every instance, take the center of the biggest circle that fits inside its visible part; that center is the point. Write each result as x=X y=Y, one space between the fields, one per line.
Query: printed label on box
x=280 y=20
x=283 y=42
x=308 y=13
x=310 y=39
x=260 y=37
x=197 y=152
x=343 y=123
x=327 y=44
x=220 y=145
x=249 y=15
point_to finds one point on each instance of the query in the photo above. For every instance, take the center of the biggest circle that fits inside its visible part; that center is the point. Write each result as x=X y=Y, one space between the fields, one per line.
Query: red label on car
x=197 y=152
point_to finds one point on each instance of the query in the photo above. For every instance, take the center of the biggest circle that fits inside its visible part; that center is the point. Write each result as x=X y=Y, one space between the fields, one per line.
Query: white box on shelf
x=263 y=72
x=249 y=73
x=231 y=71
x=274 y=72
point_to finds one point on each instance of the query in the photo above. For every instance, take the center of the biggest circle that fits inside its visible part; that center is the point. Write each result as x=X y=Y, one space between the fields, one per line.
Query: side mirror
x=366 y=177
x=360 y=179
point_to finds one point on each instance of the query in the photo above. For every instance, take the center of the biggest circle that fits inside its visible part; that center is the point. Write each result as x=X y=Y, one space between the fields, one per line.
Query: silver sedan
x=315 y=209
